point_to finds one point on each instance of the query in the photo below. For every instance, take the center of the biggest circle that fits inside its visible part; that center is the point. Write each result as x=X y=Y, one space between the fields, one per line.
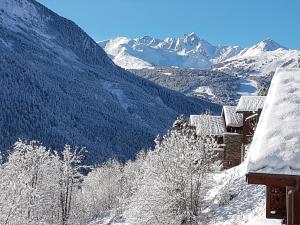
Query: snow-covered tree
x=133 y=173
x=174 y=180
x=70 y=180
x=103 y=186
x=29 y=182
x=37 y=186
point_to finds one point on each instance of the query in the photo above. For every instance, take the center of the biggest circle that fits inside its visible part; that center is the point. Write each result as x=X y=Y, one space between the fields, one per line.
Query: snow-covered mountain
x=195 y=67
x=261 y=59
x=188 y=51
x=58 y=86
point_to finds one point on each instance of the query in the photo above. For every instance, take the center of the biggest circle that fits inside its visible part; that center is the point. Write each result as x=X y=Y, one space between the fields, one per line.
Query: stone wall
x=232 y=150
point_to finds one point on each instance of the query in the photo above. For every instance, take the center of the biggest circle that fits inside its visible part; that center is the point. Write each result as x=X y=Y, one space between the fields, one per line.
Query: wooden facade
x=250 y=120
x=232 y=150
x=282 y=196
x=276 y=202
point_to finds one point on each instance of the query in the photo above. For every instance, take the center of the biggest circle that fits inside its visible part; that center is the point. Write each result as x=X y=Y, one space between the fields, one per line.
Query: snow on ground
x=234 y=202
x=130 y=62
x=231 y=202
x=260 y=220
x=188 y=51
x=168 y=74
x=118 y=93
x=247 y=87
x=204 y=91
x=109 y=218
x=261 y=62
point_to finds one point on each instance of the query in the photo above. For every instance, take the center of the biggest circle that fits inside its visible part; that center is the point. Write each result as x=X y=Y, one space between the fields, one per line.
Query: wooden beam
x=268 y=206
x=290 y=205
x=272 y=179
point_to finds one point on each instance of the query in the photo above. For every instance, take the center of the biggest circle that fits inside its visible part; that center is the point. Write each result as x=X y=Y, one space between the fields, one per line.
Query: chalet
x=233 y=120
x=208 y=125
x=229 y=143
x=274 y=155
x=212 y=126
x=232 y=138
x=250 y=107
x=233 y=129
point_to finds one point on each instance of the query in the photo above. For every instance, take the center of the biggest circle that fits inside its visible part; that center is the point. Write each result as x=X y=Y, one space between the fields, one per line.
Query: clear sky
x=239 y=22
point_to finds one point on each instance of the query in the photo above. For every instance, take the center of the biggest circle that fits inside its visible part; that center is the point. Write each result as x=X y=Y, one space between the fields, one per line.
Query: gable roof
x=208 y=124
x=276 y=144
x=232 y=118
x=250 y=103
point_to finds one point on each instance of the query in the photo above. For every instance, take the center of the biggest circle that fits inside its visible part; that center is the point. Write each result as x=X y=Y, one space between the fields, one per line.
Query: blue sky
x=240 y=22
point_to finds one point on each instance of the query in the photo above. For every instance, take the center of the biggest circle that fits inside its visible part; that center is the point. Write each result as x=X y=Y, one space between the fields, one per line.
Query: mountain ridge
x=60 y=87
x=188 y=51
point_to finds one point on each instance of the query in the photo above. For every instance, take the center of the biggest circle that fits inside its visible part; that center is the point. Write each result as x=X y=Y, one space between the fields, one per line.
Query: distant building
x=208 y=125
x=229 y=142
x=232 y=138
x=233 y=120
x=233 y=129
x=274 y=155
x=250 y=107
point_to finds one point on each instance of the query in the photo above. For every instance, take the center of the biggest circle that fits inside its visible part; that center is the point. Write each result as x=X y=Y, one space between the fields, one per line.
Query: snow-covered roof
x=232 y=118
x=208 y=124
x=276 y=144
x=250 y=103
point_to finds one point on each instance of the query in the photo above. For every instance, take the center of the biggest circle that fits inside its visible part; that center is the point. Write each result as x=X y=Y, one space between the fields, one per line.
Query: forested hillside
x=59 y=87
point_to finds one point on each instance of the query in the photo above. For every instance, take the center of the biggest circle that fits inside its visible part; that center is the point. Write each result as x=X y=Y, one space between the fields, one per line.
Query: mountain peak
x=269 y=45
x=191 y=37
x=146 y=38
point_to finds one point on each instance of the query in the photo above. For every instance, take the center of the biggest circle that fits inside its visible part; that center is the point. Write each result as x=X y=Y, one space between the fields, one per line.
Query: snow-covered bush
x=174 y=180
x=103 y=187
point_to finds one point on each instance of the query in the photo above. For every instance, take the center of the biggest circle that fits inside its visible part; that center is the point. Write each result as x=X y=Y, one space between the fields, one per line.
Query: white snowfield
x=208 y=124
x=261 y=59
x=232 y=118
x=261 y=47
x=190 y=51
x=231 y=201
x=250 y=103
x=276 y=144
x=204 y=90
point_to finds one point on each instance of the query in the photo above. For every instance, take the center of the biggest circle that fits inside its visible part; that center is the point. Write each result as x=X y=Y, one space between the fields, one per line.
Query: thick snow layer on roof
x=250 y=103
x=207 y=124
x=276 y=144
x=232 y=118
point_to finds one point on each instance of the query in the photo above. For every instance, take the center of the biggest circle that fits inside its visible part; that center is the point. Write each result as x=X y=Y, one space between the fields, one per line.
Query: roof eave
x=234 y=126
x=278 y=180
